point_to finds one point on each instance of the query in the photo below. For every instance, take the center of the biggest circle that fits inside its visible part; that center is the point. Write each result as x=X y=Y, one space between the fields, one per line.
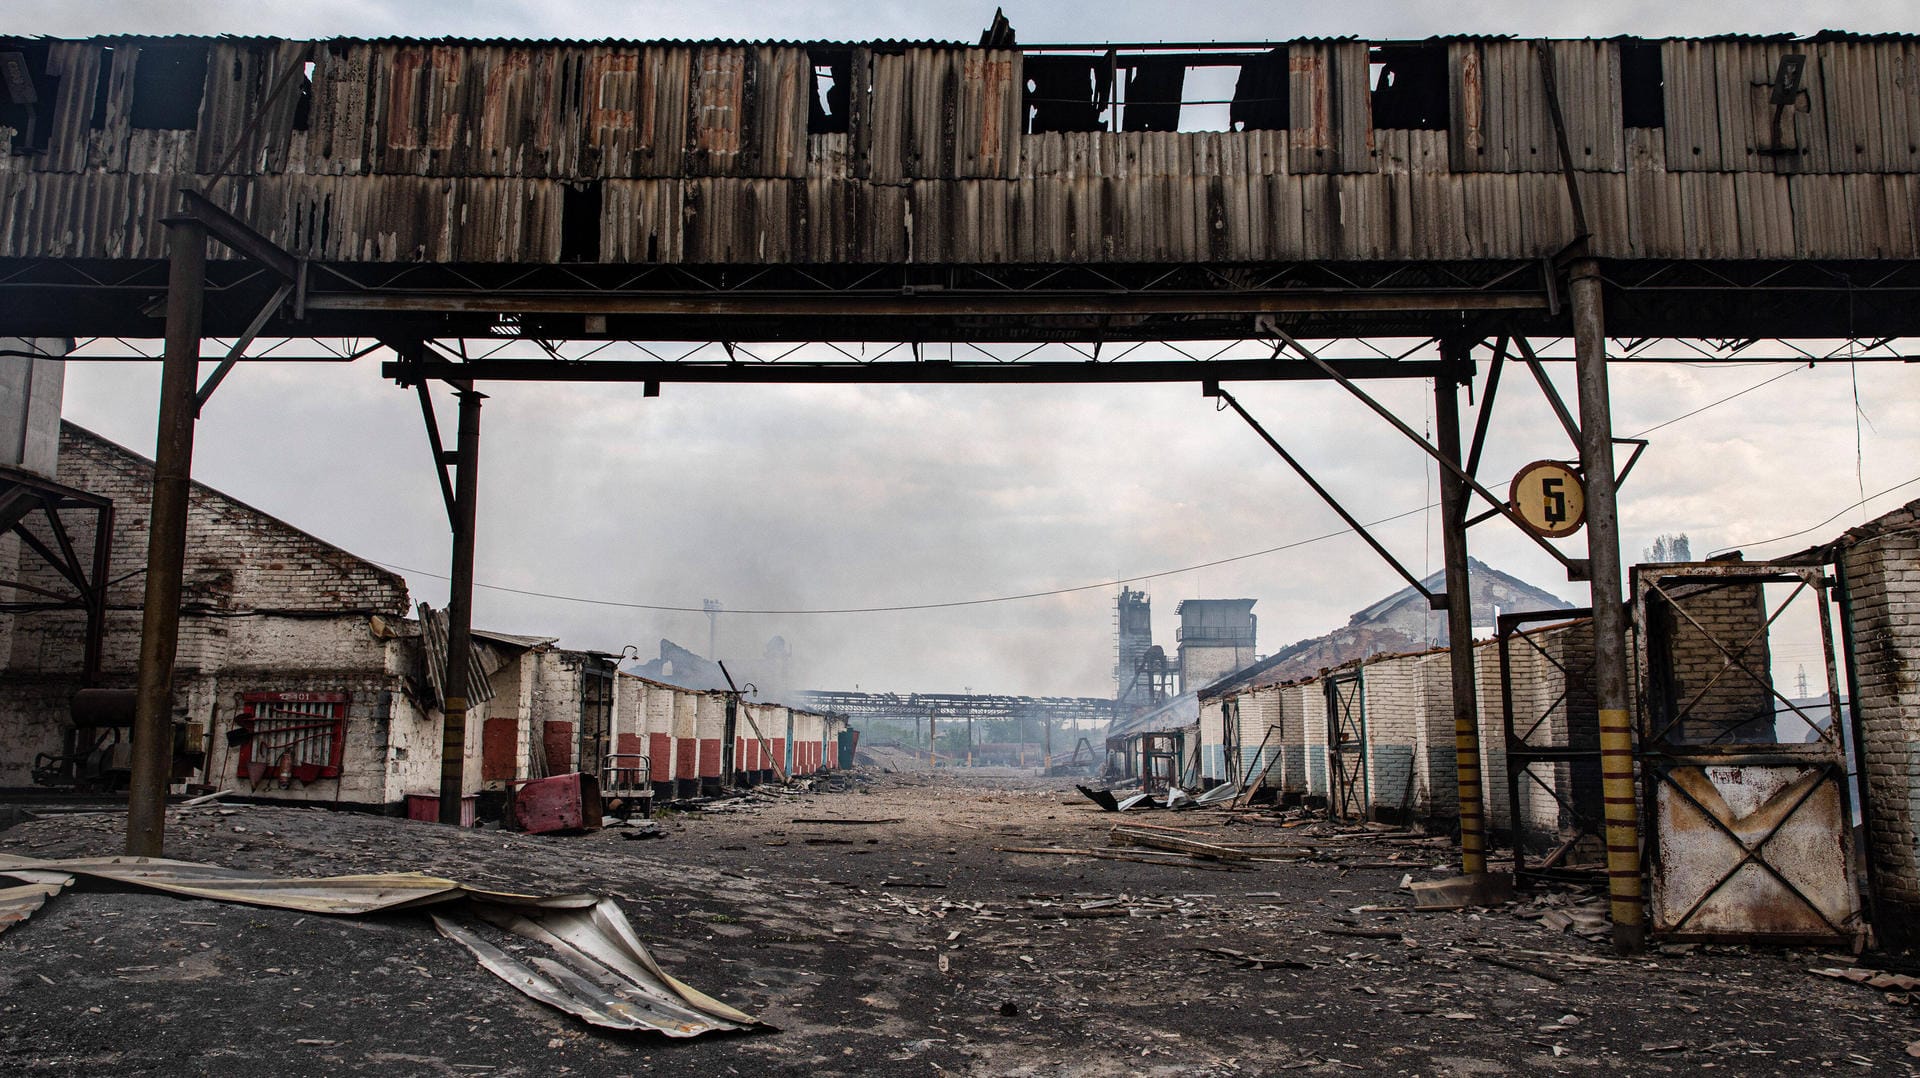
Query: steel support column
x=1453 y=533
x=167 y=539
x=466 y=490
x=1609 y=611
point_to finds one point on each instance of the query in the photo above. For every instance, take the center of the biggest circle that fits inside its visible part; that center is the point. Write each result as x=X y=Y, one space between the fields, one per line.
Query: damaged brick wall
x=1687 y=679
x=267 y=607
x=1881 y=562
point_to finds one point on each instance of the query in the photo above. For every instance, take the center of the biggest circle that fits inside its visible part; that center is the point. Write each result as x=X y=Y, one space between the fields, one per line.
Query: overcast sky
x=808 y=497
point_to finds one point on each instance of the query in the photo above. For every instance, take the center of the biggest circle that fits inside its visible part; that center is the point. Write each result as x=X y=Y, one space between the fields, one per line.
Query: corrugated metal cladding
x=399 y=150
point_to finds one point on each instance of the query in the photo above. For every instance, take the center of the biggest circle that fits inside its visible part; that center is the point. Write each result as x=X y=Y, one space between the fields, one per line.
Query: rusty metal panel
x=338 y=123
x=881 y=140
x=641 y=221
x=783 y=79
x=1331 y=113
x=1751 y=830
x=989 y=112
x=1502 y=120
x=1711 y=818
x=1693 y=110
x=77 y=64
x=660 y=137
x=241 y=75
x=718 y=122
x=1848 y=81
x=1587 y=78
x=1819 y=215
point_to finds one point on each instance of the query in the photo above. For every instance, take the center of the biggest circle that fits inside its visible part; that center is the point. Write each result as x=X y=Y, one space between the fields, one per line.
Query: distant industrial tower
x=1216 y=638
x=1134 y=628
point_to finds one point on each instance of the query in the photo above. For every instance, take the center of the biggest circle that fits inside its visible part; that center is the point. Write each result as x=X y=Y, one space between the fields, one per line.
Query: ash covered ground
x=911 y=947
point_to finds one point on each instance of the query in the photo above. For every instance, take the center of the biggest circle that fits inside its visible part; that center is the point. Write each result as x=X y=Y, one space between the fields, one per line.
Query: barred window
x=290 y=737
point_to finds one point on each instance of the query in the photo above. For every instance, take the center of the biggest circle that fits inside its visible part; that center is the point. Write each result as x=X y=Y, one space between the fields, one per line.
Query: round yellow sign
x=1550 y=498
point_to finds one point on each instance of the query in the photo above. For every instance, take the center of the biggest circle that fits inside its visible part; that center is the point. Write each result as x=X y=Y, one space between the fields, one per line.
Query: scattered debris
x=1133 y=836
x=1103 y=798
x=603 y=974
x=1224 y=792
x=1520 y=967
x=1459 y=892
x=1886 y=982
x=1250 y=961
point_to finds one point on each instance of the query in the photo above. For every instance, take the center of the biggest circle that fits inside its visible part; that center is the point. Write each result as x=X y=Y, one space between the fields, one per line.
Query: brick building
x=1880 y=564
x=301 y=677
x=301 y=646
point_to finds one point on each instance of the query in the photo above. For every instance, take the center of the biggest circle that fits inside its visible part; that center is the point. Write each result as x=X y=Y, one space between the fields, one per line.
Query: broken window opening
x=1409 y=87
x=580 y=206
x=27 y=95
x=1152 y=96
x=829 y=100
x=1068 y=93
x=102 y=90
x=1209 y=99
x=1643 y=101
x=1262 y=96
x=303 y=103
x=168 y=83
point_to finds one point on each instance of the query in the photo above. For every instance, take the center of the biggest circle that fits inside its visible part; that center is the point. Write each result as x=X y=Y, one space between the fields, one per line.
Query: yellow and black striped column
x=1622 y=808
x=1459 y=596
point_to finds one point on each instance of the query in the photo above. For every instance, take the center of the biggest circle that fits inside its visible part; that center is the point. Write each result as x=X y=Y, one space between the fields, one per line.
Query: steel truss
x=1109 y=303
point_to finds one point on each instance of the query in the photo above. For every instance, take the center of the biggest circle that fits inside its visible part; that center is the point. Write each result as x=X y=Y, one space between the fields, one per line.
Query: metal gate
x=1347 y=746
x=1553 y=749
x=1746 y=788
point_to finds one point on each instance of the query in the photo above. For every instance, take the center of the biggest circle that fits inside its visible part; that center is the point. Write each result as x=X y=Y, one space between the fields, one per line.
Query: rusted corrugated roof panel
x=433 y=640
x=1331 y=110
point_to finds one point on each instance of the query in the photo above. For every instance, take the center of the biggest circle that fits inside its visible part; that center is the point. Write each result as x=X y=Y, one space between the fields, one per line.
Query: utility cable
x=909 y=607
x=1844 y=510
x=922 y=606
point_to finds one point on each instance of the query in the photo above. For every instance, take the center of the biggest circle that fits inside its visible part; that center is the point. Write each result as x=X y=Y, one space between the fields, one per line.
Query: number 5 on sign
x=1550 y=498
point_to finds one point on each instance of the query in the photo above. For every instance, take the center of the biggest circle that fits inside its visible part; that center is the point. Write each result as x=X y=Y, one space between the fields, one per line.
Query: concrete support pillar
x=466 y=492
x=1609 y=612
x=1453 y=533
x=167 y=539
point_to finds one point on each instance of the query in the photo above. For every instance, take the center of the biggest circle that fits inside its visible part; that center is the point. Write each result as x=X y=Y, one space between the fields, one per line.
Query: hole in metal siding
x=829 y=99
x=1409 y=87
x=168 y=83
x=580 y=206
x=102 y=90
x=1642 y=85
x=27 y=94
x=303 y=104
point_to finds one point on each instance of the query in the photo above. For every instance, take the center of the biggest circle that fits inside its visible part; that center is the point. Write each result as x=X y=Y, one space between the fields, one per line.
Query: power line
x=923 y=606
x=907 y=607
x=1796 y=368
x=1813 y=527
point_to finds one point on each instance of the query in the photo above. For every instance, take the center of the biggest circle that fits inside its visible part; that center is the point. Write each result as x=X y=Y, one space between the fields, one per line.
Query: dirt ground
x=909 y=947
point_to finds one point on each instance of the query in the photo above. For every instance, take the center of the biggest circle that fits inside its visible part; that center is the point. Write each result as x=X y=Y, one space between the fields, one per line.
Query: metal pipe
x=167 y=540
x=97 y=593
x=466 y=490
x=1610 y=672
x=920 y=373
x=1466 y=709
x=922 y=305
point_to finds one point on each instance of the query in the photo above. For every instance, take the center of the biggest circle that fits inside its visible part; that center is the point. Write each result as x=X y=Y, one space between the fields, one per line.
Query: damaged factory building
x=305 y=675
x=1356 y=852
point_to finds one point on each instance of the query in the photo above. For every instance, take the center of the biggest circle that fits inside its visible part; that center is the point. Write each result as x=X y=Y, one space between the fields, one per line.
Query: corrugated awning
x=433 y=641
